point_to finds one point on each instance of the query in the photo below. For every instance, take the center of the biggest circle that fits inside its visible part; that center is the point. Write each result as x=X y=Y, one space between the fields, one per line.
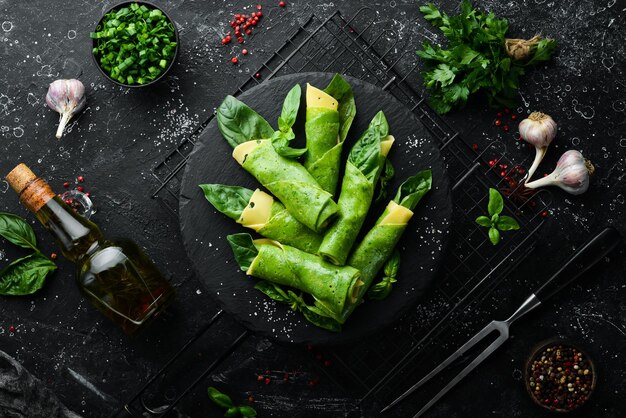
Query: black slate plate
x=204 y=230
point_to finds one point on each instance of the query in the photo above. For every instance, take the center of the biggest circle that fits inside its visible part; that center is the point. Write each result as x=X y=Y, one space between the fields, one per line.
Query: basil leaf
x=17 y=231
x=496 y=204
x=219 y=398
x=413 y=189
x=365 y=154
x=280 y=142
x=290 y=108
x=26 y=275
x=392 y=265
x=247 y=411
x=243 y=249
x=341 y=90
x=383 y=288
x=494 y=236
x=273 y=291
x=483 y=221
x=385 y=177
x=238 y=123
x=232 y=412
x=230 y=200
x=317 y=317
x=506 y=223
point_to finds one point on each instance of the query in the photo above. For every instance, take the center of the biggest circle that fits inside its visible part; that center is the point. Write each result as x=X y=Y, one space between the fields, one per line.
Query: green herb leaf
x=318 y=318
x=413 y=189
x=230 y=200
x=220 y=399
x=496 y=204
x=232 y=412
x=238 y=123
x=243 y=249
x=273 y=291
x=290 y=109
x=17 y=231
x=247 y=411
x=494 y=236
x=386 y=176
x=383 y=288
x=341 y=91
x=26 y=275
x=506 y=223
x=484 y=221
x=365 y=155
x=280 y=142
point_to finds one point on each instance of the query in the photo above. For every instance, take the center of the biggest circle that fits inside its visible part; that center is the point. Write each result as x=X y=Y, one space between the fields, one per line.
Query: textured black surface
x=122 y=134
x=204 y=230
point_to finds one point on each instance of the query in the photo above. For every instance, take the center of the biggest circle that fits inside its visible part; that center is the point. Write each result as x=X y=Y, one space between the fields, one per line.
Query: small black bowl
x=173 y=60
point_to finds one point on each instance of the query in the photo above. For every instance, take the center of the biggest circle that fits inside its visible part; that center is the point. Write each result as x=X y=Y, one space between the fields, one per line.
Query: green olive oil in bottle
x=115 y=276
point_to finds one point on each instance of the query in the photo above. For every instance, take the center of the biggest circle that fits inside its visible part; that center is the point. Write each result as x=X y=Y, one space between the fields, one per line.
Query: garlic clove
x=66 y=97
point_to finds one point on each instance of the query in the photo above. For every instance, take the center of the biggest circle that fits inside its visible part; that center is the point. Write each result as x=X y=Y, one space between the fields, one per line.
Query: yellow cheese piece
x=242 y=150
x=317 y=98
x=386 y=143
x=258 y=211
x=398 y=215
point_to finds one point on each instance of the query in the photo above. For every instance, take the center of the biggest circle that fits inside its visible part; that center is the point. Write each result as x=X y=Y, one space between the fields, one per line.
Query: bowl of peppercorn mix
x=559 y=376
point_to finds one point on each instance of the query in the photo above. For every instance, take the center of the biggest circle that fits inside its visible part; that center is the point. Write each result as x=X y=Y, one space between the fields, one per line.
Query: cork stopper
x=33 y=191
x=20 y=177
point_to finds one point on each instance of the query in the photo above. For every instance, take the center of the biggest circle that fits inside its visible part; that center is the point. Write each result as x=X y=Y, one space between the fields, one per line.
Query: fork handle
x=582 y=260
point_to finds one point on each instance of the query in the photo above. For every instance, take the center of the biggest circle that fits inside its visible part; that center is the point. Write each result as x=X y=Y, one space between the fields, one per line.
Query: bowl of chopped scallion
x=135 y=44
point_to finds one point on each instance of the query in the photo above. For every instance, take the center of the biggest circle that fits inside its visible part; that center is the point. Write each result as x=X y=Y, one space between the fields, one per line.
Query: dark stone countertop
x=124 y=133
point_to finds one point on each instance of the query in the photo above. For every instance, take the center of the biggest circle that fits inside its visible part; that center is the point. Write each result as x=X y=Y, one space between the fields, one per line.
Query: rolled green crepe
x=377 y=246
x=289 y=181
x=260 y=211
x=333 y=288
x=247 y=132
x=363 y=168
x=329 y=115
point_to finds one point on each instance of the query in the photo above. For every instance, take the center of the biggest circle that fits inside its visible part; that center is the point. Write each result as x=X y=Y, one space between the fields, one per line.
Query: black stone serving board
x=204 y=230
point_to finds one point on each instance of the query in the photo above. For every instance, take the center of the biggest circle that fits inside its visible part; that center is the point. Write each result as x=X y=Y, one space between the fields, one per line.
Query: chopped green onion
x=134 y=44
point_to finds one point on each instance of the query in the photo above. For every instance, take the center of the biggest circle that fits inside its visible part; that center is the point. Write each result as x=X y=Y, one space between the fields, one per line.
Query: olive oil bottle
x=115 y=276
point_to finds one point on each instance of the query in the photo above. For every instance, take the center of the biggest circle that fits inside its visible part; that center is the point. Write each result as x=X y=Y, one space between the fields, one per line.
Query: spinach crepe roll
x=378 y=245
x=329 y=115
x=363 y=168
x=333 y=288
x=260 y=211
x=289 y=181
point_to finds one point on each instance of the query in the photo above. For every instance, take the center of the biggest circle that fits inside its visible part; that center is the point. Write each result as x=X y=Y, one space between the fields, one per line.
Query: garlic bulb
x=66 y=97
x=571 y=174
x=539 y=130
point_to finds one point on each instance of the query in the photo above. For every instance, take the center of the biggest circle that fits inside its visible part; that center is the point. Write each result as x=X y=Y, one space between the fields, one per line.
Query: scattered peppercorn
x=267 y=380
x=282 y=3
x=80 y=179
x=234 y=60
x=80 y=189
x=66 y=184
x=53 y=256
x=513 y=117
x=244 y=51
x=498 y=122
x=257 y=76
x=259 y=378
x=560 y=377
x=11 y=328
x=506 y=128
x=475 y=147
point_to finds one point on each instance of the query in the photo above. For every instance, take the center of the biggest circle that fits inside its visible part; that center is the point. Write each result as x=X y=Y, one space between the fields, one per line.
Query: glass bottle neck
x=77 y=237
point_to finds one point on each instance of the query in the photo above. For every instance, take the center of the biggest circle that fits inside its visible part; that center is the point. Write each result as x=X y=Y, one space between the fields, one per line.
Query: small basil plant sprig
x=283 y=136
x=383 y=288
x=539 y=130
x=571 y=174
x=224 y=401
x=66 y=97
x=496 y=222
x=25 y=275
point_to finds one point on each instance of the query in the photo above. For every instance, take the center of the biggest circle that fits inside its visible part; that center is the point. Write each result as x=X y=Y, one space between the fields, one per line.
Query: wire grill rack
x=363 y=48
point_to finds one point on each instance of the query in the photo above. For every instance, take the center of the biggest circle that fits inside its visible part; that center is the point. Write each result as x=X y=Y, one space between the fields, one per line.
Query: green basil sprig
x=230 y=200
x=385 y=178
x=224 y=401
x=244 y=249
x=283 y=136
x=310 y=312
x=342 y=92
x=25 y=275
x=495 y=222
x=383 y=288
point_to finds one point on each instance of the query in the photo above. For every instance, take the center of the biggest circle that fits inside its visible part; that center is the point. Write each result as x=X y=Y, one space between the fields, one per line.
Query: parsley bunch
x=478 y=58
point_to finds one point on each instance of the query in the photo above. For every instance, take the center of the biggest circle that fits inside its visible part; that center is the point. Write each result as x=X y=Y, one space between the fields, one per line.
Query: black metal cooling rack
x=364 y=48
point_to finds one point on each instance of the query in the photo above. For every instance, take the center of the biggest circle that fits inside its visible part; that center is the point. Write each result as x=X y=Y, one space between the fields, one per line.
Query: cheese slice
x=258 y=211
x=317 y=98
x=386 y=143
x=398 y=215
x=241 y=151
